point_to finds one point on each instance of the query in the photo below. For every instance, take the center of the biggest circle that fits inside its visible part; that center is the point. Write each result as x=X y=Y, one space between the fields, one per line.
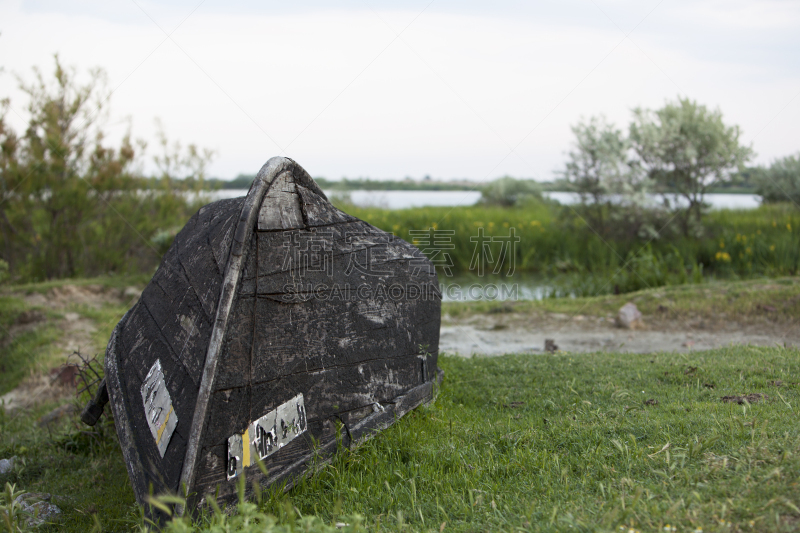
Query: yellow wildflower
x=771 y=247
x=725 y=257
x=789 y=227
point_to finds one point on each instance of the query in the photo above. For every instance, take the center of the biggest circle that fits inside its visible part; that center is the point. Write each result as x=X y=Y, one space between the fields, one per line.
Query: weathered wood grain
x=303 y=455
x=258 y=300
x=280 y=209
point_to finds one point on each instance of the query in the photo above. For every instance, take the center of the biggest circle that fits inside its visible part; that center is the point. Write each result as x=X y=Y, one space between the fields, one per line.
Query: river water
x=407 y=199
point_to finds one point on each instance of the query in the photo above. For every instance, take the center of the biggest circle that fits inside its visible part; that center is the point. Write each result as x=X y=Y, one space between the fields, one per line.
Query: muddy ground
x=497 y=334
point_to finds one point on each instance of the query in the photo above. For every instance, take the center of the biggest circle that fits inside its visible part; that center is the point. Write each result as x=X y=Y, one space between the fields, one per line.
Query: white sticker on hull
x=266 y=435
x=158 y=409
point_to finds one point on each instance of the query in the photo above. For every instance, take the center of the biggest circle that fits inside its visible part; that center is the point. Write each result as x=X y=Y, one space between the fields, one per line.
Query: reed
x=554 y=242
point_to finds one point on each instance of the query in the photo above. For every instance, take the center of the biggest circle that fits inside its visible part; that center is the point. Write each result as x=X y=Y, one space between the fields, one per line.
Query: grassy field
x=563 y=442
x=753 y=301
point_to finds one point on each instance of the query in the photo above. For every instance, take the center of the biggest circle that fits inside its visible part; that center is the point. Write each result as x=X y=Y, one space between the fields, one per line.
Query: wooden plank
x=344 y=393
x=140 y=357
x=238 y=330
x=316 y=334
x=229 y=413
x=318 y=211
x=280 y=209
x=233 y=269
x=301 y=457
x=234 y=366
x=180 y=321
x=221 y=236
x=247 y=285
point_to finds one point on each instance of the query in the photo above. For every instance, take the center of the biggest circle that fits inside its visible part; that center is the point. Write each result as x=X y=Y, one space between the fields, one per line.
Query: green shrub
x=508 y=191
x=72 y=205
x=781 y=181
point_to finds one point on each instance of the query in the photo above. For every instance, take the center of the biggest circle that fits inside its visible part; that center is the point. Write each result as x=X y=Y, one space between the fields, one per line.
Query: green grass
x=550 y=442
x=558 y=442
x=81 y=465
x=751 y=301
x=109 y=282
x=532 y=443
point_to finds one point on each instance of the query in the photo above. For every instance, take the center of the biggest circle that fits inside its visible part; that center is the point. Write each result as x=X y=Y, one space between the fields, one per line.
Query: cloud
x=451 y=96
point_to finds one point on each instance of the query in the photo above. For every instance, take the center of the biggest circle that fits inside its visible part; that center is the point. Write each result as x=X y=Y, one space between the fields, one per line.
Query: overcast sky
x=384 y=89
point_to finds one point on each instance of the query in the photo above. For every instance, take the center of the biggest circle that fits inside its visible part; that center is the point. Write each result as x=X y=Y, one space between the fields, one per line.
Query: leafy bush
x=508 y=191
x=781 y=182
x=687 y=148
x=72 y=205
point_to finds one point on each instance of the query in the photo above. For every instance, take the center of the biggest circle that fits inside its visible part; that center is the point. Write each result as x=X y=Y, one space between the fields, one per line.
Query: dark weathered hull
x=271 y=320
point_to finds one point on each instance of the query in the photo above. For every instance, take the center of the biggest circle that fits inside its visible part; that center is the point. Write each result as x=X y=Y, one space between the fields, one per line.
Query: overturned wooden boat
x=274 y=323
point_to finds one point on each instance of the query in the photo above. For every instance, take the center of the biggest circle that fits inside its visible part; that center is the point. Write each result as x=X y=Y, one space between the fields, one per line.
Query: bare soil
x=36 y=390
x=76 y=336
x=496 y=334
x=95 y=296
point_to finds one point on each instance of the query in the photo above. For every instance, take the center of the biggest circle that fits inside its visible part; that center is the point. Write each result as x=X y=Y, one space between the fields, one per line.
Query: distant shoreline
x=366 y=184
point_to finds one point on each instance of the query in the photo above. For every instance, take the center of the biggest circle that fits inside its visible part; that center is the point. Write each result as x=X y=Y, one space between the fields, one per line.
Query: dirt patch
x=749 y=398
x=26 y=321
x=77 y=335
x=58 y=383
x=36 y=390
x=32 y=316
x=95 y=296
x=77 y=331
x=501 y=333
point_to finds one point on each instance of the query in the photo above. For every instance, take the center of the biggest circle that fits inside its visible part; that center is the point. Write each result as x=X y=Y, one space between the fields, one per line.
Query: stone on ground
x=38 y=506
x=630 y=317
x=7 y=465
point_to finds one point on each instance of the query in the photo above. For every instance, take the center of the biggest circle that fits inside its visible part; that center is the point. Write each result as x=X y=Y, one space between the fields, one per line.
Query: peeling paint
x=159 y=412
x=266 y=435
